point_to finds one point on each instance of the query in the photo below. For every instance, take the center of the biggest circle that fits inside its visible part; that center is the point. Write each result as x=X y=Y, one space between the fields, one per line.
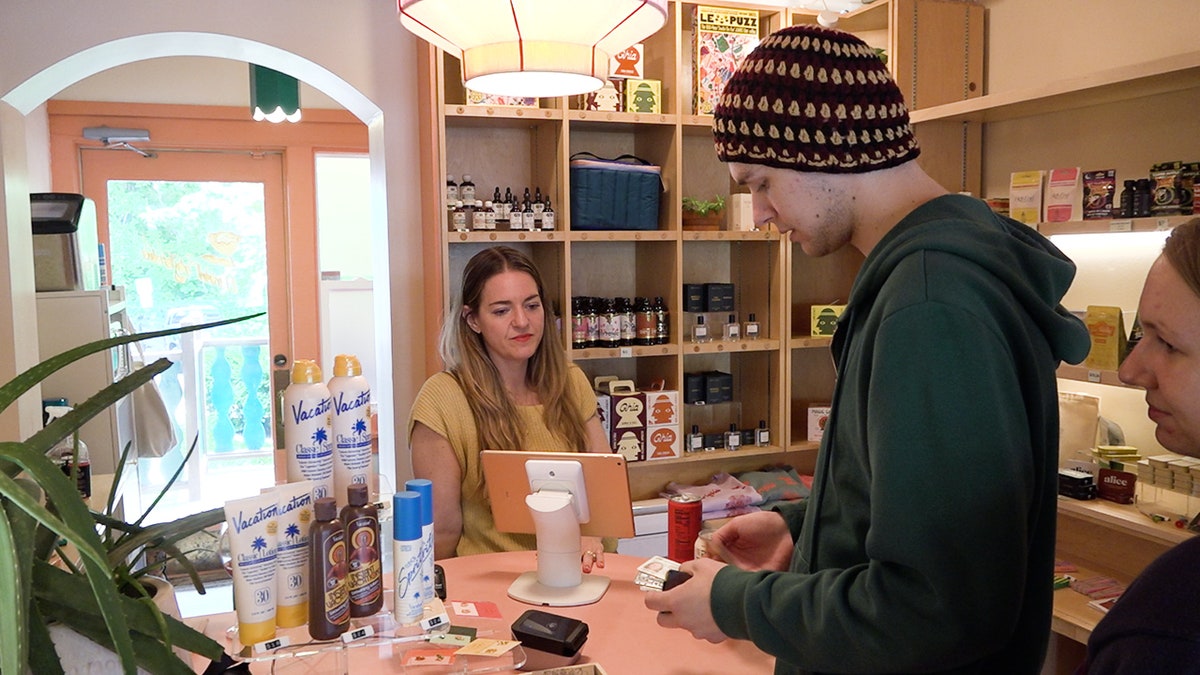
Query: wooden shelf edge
x=622 y=235
x=1113 y=226
x=1173 y=73
x=730 y=235
x=504 y=236
x=636 y=351
x=1067 y=371
x=809 y=342
x=614 y=117
x=711 y=456
x=1124 y=518
x=453 y=111
x=729 y=347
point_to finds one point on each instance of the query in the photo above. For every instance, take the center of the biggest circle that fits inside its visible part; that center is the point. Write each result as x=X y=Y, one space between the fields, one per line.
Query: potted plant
x=703 y=215
x=89 y=584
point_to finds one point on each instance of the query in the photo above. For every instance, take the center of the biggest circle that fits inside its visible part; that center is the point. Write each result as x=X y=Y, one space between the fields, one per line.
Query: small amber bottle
x=365 y=578
x=328 y=598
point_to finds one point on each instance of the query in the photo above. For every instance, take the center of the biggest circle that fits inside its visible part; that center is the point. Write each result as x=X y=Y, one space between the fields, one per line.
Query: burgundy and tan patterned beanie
x=810 y=98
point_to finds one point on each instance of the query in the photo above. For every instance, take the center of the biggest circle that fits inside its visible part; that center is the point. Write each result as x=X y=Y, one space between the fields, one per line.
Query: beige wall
x=354 y=51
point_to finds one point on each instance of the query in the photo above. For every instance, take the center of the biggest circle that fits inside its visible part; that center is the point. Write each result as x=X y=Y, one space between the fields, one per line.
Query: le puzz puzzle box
x=723 y=37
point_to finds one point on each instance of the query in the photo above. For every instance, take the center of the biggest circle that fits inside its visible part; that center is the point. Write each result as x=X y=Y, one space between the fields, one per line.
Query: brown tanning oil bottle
x=328 y=596
x=365 y=578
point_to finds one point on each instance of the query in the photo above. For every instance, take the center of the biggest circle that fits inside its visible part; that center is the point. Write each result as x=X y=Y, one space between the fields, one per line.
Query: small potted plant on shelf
x=703 y=215
x=64 y=563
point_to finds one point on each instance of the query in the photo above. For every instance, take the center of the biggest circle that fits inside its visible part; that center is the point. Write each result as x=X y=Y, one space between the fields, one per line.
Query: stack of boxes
x=639 y=425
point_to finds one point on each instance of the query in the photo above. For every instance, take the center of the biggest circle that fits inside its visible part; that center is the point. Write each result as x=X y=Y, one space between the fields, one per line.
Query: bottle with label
x=628 y=322
x=548 y=216
x=407 y=585
x=350 y=398
x=497 y=204
x=1127 y=198
x=479 y=216
x=466 y=189
x=733 y=438
x=610 y=325
x=695 y=439
x=645 y=322
x=762 y=436
x=662 y=329
x=424 y=488
x=489 y=215
x=364 y=579
x=578 y=323
x=732 y=331
x=539 y=206
x=527 y=216
x=700 y=330
x=458 y=218
x=308 y=428
x=751 y=328
x=328 y=597
x=509 y=207
x=451 y=190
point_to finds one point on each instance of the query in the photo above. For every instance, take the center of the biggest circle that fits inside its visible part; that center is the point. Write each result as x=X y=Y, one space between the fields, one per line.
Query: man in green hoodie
x=928 y=542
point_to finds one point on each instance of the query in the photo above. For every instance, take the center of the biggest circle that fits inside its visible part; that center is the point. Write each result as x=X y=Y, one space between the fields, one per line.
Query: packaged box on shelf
x=715 y=441
x=480 y=98
x=662 y=407
x=621 y=406
x=693 y=388
x=825 y=318
x=627 y=62
x=718 y=297
x=1106 y=325
x=643 y=96
x=741 y=212
x=630 y=443
x=663 y=442
x=723 y=37
x=818 y=416
x=718 y=387
x=693 y=297
x=1117 y=486
x=1025 y=196
x=608 y=98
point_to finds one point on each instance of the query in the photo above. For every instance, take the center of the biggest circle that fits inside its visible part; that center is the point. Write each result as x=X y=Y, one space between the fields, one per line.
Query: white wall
x=353 y=50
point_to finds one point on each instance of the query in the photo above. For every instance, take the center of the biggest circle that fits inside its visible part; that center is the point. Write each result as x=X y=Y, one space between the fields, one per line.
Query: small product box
x=662 y=407
x=608 y=98
x=1106 y=326
x=643 y=96
x=722 y=38
x=818 y=417
x=741 y=212
x=693 y=297
x=1117 y=486
x=663 y=442
x=1025 y=196
x=630 y=443
x=825 y=318
x=718 y=387
x=480 y=98
x=718 y=297
x=1064 y=196
x=693 y=388
x=627 y=63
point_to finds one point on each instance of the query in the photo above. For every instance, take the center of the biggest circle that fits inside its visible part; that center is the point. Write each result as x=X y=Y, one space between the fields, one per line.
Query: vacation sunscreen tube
x=253 y=522
x=307 y=426
x=350 y=396
x=295 y=502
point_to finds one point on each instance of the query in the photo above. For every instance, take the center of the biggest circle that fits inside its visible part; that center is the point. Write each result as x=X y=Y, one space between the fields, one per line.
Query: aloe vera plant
x=61 y=561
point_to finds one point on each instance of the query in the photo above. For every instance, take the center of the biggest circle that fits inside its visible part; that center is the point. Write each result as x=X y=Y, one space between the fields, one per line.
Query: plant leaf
x=13 y=631
x=43 y=659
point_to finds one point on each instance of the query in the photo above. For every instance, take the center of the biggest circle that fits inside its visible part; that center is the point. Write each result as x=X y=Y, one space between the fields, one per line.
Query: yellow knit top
x=442 y=406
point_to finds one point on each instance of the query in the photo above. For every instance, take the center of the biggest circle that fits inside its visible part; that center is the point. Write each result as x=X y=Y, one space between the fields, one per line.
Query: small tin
x=684 y=515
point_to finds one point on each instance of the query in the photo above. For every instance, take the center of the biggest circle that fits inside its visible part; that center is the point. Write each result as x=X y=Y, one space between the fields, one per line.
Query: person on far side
x=1154 y=628
x=507 y=386
x=927 y=544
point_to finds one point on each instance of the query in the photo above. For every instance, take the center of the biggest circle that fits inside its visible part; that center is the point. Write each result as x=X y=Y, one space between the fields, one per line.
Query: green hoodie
x=928 y=542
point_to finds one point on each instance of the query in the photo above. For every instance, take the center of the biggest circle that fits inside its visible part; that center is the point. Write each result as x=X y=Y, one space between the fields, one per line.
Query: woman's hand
x=593 y=553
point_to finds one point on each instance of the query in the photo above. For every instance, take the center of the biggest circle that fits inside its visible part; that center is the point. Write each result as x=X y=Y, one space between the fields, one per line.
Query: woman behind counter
x=507 y=386
x=1155 y=627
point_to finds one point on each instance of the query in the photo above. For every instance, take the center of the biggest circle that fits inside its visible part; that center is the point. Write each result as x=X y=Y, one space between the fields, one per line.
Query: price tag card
x=484 y=609
x=272 y=644
x=357 y=634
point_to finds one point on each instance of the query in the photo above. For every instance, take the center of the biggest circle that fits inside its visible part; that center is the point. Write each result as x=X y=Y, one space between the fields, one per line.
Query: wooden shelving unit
x=776 y=376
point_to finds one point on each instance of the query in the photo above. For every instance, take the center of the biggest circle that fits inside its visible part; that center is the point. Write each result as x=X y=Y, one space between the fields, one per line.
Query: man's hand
x=754 y=542
x=688 y=605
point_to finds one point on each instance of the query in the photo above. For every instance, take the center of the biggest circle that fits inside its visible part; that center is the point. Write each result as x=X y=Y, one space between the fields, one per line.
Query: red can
x=683 y=526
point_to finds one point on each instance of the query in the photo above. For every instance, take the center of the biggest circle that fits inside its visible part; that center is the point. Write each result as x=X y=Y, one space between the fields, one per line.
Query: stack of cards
x=1098 y=588
x=652 y=573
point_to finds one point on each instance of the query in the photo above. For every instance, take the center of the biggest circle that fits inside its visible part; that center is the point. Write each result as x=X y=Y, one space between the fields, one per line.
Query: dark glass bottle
x=610 y=325
x=579 y=320
x=1127 y=198
x=628 y=322
x=593 y=326
x=497 y=205
x=1143 y=196
x=328 y=597
x=646 y=323
x=662 y=329
x=364 y=579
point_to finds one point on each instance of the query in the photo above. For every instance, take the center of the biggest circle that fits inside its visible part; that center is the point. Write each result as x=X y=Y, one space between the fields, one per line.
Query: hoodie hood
x=1035 y=270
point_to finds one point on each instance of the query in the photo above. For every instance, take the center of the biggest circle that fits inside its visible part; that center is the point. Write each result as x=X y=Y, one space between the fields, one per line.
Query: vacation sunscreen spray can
x=424 y=487
x=307 y=426
x=350 y=396
x=406 y=557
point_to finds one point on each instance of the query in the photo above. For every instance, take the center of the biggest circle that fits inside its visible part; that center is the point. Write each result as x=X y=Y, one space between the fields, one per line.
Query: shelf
x=623 y=352
x=729 y=346
x=805 y=446
x=1175 y=73
x=624 y=235
x=1073 y=617
x=1123 y=518
x=490 y=115
x=809 y=342
x=1116 y=225
x=585 y=117
x=504 y=236
x=730 y=235
x=1084 y=374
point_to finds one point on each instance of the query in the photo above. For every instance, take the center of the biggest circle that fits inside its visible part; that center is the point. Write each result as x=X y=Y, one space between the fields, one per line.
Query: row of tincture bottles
x=618 y=322
x=731 y=330
x=467 y=212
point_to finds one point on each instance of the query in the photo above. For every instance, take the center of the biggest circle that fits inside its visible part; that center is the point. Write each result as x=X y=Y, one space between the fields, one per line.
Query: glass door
x=193 y=237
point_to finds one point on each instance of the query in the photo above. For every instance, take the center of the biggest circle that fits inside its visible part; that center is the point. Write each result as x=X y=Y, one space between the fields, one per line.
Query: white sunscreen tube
x=253 y=522
x=295 y=502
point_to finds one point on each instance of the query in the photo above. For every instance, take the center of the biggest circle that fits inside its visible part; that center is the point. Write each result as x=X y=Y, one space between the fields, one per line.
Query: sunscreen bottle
x=295 y=514
x=328 y=599
x=350 y=396
x=406 y=557
x=424 y=488
x=307 y=426
x=365 y=577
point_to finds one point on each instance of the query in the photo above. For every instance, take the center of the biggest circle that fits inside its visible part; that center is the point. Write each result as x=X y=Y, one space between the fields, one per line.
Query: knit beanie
x=810 y=98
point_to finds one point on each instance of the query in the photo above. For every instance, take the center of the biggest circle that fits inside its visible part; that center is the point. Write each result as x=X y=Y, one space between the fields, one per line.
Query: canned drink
x=684 y=515
x=703 y=547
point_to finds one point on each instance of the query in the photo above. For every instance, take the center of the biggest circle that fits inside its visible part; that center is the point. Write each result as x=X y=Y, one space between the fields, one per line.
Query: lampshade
x=533 y=47
x=274 y=97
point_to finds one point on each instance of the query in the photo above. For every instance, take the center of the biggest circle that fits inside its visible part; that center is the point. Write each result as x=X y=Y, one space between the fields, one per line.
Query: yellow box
x=1106 y=326
x=825 y=318
x=643 y=96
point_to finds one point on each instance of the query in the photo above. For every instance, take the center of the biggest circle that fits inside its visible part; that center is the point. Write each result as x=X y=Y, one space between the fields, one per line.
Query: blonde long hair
x=465 y=356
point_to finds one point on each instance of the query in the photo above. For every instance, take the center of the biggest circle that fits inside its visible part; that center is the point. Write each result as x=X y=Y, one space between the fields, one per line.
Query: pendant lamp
x=533 y=47
x=274 y=96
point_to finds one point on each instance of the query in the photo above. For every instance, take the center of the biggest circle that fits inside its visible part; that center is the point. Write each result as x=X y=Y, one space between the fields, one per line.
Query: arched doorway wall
x=395 y=205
